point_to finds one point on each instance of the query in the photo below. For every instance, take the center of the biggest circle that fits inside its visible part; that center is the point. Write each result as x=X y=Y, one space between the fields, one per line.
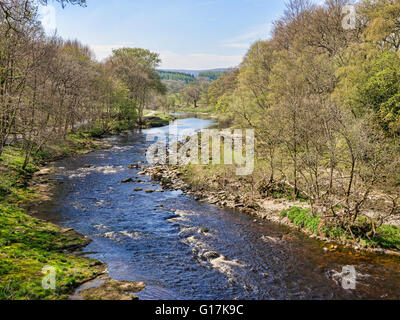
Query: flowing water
x=157 y=237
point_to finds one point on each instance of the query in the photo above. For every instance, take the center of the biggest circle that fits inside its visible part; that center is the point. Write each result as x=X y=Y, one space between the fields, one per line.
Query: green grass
x=26 y=246
x=12 y=177
x=386 y=236
x=302 y=218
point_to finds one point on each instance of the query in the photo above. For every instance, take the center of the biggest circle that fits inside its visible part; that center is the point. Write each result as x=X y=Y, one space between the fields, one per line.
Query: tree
x=194 y=91
x=136 y=68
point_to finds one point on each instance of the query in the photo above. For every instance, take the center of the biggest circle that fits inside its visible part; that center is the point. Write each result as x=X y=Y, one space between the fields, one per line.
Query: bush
x=95 y=132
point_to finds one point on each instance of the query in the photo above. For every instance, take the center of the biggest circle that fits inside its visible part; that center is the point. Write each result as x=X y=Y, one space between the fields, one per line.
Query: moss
x=26 y=246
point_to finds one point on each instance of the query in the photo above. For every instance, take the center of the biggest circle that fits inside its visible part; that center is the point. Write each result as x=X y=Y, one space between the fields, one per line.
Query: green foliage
x=12 y=176
x=387 y=237
x=212 y=75
x=26 y=246
x=96 y=132
x=302 y=218
x=179 y=76
x=379 y=89
x=335 y=232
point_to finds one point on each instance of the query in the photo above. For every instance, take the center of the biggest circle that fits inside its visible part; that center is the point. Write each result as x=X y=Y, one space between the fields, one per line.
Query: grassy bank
x=249 y=194
x=386 y=237
x=27 y=244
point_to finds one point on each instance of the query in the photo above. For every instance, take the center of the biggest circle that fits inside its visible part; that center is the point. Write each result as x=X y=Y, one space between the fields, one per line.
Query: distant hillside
x=174 y=75
x=212 y=75
x=196 y=73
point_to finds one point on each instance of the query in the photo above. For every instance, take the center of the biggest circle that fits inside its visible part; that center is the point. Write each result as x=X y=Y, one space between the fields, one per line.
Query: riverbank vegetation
x=51 y=87
x=27 y=246
x=55 y=100
x=323 y=100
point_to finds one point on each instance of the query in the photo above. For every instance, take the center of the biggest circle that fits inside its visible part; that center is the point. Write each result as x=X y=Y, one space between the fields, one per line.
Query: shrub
x=387 y=237
x=302 y=218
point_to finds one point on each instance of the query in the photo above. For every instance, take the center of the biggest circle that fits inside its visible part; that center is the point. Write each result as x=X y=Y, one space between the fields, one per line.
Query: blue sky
x=188 y=34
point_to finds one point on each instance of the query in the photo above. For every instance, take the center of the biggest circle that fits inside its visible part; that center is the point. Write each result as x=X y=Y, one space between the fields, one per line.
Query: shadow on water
x=185 y=249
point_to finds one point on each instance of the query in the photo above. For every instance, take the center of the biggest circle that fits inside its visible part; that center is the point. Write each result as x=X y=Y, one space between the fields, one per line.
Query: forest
x=50 y=86
x=324 y=102
x=322 y=94
x=179 y=76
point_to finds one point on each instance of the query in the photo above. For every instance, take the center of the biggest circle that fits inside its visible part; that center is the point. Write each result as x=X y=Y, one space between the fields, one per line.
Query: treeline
x=324 y=102
x=212 y=75
x=49 y=86
x=179 y=76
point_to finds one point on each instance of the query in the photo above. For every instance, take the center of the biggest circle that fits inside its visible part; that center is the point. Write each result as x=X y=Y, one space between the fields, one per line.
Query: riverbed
x=187 y=249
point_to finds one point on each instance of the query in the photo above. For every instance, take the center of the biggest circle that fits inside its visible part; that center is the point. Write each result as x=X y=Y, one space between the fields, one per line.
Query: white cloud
x=172 y=60
x=104 y=51
x=47 y=16
x=198 y=61
x=262 y=31
x=236 y=45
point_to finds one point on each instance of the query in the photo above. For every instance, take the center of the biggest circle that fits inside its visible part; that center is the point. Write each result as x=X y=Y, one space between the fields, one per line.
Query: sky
x=188 y=34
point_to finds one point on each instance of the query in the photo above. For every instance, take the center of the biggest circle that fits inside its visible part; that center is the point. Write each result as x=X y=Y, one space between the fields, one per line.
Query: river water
x=156 y=237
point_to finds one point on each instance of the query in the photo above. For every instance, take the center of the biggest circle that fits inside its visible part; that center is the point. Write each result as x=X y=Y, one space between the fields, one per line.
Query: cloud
x=236 y=45
x=47 y=16
x=104 y=51
x=198 y=61
x=172 y=60
x=244 y=40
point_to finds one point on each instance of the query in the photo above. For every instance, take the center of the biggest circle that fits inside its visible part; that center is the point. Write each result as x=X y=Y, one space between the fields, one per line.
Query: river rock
x=210 y=255
x=127 y=180
x=43 y=172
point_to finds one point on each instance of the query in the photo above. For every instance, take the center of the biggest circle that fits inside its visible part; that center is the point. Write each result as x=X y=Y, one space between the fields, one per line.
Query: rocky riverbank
x=174 y=178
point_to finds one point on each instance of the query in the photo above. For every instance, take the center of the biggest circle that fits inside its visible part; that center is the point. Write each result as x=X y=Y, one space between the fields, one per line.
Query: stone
x=43 y=172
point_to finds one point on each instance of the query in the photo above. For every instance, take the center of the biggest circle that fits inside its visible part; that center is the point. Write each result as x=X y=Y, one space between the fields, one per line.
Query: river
x=156 y=237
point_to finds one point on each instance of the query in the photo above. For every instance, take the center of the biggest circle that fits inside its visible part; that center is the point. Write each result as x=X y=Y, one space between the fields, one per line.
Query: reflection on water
x=185 y=249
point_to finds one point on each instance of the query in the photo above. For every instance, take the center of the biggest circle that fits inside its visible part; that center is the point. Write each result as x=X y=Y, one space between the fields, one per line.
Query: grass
x=12 y=177
x=386 y=236
x=28 y=244
x=302 y=218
